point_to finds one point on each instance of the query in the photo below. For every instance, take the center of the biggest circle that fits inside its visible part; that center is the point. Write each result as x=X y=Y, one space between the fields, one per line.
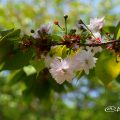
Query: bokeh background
x=87 y=98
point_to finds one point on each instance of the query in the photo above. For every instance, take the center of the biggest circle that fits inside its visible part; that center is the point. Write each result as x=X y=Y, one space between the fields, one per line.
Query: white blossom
x=96 y=24
x=61 y=70
x=85 y=61
x=48 y=59
x=46 y=28
x=94 y=50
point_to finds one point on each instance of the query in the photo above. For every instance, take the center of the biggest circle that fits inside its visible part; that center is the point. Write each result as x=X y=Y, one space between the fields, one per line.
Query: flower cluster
x=81 y=46
x=64 y=69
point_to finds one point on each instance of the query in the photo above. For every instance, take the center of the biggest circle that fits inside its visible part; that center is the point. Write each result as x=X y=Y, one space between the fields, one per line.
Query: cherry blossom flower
x=94 y=50
x=61 y=70
x=96 y=24
x=85 y=61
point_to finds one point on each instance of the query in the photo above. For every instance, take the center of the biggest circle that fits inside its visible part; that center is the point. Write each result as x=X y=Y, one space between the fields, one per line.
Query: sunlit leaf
x=107 y=69
x=29 y=70
x=117 y=31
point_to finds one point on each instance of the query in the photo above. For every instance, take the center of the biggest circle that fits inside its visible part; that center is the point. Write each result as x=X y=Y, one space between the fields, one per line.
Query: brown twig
x=93 y=44
x=100 y=44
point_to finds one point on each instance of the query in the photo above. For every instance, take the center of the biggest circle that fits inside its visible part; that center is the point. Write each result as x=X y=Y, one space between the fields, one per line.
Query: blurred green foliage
x=25 y=97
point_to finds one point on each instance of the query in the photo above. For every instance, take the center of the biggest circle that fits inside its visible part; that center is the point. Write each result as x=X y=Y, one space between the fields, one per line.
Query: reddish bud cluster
x=75 y=38
x=98 y=40
x=114 y=47
x=71 y=40
x=27 y=43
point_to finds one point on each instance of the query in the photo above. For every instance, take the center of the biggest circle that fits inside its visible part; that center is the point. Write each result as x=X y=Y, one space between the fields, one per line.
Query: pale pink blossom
x=96 y=24
x=61 y=70
x=85 y=60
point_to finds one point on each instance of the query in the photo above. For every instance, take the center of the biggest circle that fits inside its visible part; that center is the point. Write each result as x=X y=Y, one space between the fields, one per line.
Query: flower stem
x=88 y=29
x=60 y=27
x=65 y=17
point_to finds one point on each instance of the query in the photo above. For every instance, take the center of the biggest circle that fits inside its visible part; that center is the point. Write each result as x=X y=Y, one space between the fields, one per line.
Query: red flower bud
x=56 y=22
x=98 y=40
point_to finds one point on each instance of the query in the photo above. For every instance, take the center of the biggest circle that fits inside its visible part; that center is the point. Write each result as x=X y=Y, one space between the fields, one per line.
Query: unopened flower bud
x=32 y=31
x=56 y=22
x=73 y=30
x=107 y=34
x=65 y=16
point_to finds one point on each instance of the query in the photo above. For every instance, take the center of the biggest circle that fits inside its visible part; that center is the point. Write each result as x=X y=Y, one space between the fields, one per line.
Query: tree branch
x=99 y=44
x=93 y=44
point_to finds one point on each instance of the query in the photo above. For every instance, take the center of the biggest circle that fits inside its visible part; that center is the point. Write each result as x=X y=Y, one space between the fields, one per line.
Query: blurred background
x=86 y=99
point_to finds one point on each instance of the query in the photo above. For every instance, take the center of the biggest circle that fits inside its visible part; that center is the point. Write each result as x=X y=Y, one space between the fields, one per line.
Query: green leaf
x=18 y=76
x=12 y=35
x=29 y=70
x=5 y=48
x=79 y=74
x=40 y=85
x=118 y=35
x=106 y=68
x=17 y=60
x=64 y=51
x=56 y=87
x=118 y=79
x=117 y=31
x=56 y=38
x=109 y=29
x=38 y=64
x=5 y=32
